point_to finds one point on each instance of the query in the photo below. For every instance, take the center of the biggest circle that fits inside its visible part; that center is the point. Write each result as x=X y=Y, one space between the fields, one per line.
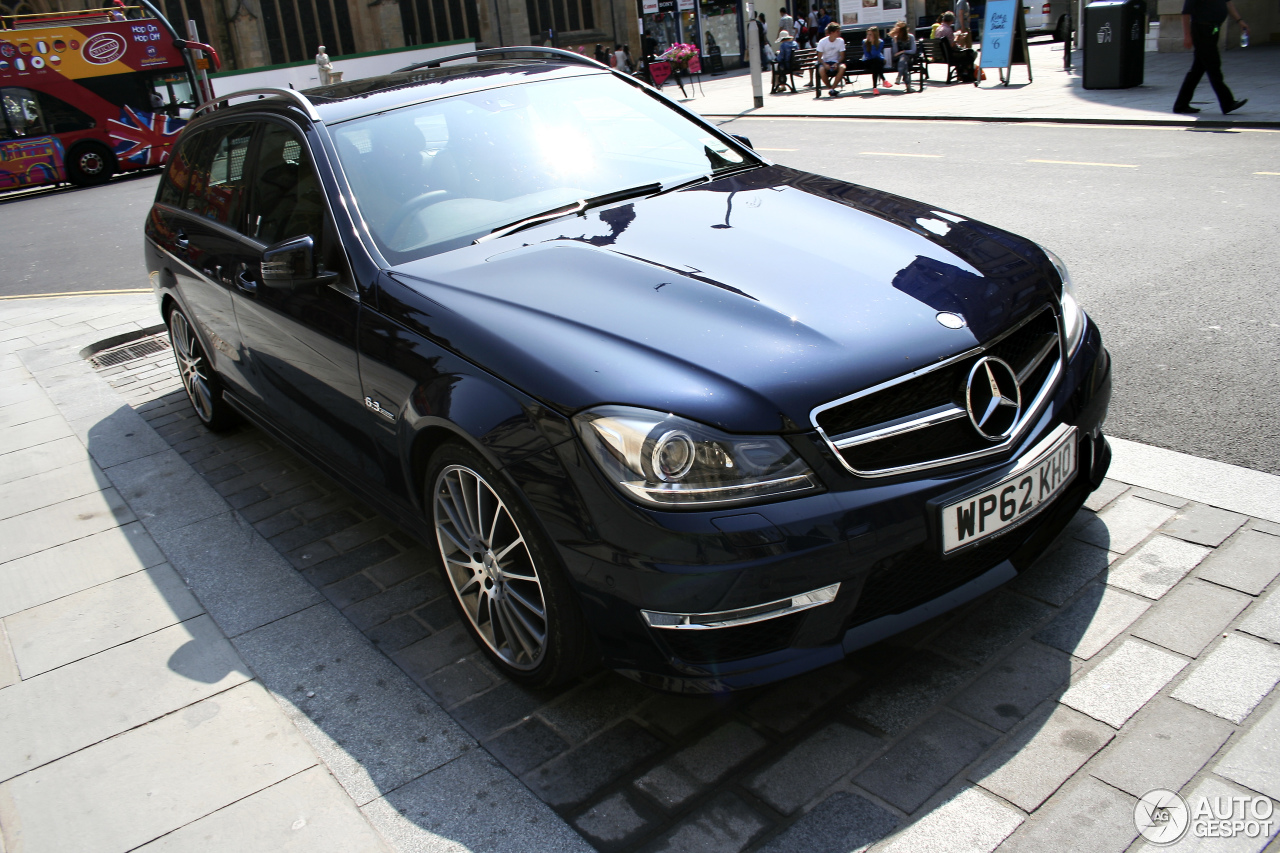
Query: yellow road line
x=75 y=293
x=1078 y=163
x=895 y=154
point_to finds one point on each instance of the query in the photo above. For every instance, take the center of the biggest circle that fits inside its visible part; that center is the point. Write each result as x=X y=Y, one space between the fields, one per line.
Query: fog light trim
x=742 y=615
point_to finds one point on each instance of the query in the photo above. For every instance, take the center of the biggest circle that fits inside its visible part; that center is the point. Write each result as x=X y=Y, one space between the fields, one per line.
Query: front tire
x=515 y=597
x=203 y=387
x=89 y=164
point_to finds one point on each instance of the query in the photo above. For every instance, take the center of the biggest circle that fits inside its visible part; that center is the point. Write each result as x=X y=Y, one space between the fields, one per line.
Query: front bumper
x=739 y=571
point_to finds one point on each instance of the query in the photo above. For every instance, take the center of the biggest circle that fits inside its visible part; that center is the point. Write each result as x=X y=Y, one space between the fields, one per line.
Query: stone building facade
x=256 y=33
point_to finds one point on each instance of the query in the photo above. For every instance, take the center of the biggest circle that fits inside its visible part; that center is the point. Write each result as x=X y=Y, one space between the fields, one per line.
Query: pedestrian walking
x=785 y=21
x=1201 y=22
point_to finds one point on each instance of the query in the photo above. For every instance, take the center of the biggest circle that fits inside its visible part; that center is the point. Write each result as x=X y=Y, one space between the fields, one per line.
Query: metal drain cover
x=131 y=351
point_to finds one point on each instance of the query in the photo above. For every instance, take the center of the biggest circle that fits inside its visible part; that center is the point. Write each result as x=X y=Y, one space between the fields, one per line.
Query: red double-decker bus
x=90 y=93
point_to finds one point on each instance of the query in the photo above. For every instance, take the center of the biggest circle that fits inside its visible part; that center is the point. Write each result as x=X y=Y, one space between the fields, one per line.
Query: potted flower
x=679 y=55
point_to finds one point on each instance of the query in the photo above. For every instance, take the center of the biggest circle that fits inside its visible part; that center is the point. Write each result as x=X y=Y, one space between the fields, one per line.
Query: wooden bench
x=937 y=52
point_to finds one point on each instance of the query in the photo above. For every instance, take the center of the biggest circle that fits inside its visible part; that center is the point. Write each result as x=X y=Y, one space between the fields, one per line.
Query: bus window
x=171 y=94
x=124 y=90
x=22 y=113
x=61 y=117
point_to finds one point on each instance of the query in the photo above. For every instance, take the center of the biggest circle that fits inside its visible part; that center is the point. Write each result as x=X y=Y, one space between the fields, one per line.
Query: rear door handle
x=181 y=241
x=245 y=283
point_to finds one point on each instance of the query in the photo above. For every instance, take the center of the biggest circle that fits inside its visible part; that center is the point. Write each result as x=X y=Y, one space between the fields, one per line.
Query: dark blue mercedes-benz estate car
x=655 y=400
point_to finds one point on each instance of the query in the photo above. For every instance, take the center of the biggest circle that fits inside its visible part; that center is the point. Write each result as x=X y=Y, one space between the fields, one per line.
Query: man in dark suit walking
x=1201 y=22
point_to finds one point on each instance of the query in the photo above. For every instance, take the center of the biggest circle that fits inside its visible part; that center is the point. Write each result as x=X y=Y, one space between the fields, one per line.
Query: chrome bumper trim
x=741 y=616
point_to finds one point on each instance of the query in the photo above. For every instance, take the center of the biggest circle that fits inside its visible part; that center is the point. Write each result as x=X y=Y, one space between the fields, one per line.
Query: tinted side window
x=61 y=117
x=218 y=183
x=287 y=200
x=177 y=176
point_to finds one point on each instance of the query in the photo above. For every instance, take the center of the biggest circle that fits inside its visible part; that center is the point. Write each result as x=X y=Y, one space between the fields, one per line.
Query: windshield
x=432 y=177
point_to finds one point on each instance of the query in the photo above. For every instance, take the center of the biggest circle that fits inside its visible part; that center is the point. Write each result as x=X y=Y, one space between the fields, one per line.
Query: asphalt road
x=1174 y=246
x=1172 y=235
x=69 y=239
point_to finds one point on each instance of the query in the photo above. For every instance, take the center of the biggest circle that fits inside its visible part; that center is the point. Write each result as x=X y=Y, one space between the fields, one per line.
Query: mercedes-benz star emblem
x=950 y=320
x=993 y=398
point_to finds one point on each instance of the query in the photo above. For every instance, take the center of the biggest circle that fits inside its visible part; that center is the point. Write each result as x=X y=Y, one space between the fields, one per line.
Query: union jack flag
x=143 y=138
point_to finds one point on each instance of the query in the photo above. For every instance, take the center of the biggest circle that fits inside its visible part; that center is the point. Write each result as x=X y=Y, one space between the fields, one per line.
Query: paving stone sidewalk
x=1141 y=652
x=167 y=681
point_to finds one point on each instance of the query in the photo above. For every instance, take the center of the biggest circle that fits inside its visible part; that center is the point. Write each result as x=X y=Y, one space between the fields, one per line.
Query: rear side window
x=216 y=181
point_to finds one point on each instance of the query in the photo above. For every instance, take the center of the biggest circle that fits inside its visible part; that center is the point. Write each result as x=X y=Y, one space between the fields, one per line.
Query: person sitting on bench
x=904 y=50
x=873 y=58
x=782 y=65
x=961 y=58
x=831 y=59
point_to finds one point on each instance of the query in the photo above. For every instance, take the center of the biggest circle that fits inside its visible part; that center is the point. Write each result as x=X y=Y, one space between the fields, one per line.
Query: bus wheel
x=90 y=164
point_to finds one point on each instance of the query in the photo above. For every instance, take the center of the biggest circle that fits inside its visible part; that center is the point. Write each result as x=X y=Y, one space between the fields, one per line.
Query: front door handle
x=181 y=241
x=245 y=283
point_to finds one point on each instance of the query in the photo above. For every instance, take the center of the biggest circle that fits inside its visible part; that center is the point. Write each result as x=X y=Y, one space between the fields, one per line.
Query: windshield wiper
x=579 y=206
x=722 y=172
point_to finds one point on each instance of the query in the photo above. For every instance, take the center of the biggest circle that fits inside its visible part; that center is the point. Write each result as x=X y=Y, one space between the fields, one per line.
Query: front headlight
x=663 y=460
x=1073 y=318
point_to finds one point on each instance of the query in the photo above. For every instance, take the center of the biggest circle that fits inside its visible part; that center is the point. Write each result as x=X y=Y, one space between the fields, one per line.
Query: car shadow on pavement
x=838 y=757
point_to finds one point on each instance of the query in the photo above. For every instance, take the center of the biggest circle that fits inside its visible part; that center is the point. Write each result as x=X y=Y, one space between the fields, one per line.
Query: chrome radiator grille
x=921 y=420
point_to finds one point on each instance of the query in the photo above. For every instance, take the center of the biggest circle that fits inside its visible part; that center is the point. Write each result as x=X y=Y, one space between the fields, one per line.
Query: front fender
x=424 y=394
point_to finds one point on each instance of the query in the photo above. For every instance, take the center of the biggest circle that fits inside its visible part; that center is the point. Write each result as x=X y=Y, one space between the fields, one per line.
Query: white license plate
x=1031 y=486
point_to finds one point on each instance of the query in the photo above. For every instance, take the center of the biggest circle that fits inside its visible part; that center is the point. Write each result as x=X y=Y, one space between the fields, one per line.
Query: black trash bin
x=1114 y=42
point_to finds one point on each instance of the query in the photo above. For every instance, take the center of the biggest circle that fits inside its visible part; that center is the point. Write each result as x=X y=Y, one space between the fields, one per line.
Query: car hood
x=743 y=303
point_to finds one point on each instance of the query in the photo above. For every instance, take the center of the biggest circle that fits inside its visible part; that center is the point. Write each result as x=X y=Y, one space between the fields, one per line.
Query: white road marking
x=1080 y=163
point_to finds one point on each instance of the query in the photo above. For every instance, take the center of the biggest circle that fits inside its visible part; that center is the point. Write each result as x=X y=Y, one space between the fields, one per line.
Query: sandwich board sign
x=1004 y=38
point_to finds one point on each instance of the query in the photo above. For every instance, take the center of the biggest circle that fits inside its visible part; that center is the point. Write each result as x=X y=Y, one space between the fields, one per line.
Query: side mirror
x=743 y=140
x=292 y=263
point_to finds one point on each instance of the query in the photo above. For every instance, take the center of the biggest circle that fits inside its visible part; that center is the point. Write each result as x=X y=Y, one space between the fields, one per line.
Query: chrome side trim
x=741 y=616
x=1029 y=414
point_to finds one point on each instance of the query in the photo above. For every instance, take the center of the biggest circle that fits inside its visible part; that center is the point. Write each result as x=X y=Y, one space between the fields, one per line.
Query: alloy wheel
x=490 y=567
x=192 y=365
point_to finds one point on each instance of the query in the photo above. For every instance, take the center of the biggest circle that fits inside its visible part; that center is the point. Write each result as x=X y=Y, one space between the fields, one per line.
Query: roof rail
x=549 y=52
x=297 y=97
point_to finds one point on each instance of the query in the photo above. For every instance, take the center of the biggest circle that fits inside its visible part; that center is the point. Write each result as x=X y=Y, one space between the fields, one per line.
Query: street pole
x=753 y=48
